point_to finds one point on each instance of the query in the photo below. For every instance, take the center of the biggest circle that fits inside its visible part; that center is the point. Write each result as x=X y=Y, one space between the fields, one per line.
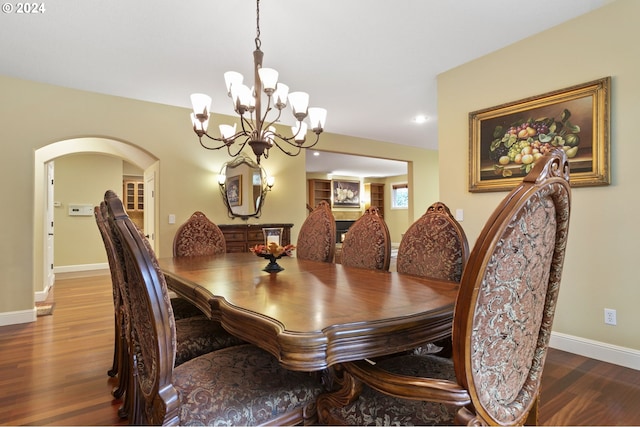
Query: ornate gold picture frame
x=505 y=141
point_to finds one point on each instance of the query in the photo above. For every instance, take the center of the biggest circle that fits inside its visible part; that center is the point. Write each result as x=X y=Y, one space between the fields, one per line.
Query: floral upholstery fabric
x=515 y=308
x=198 y=335
x=434 y=246
x=367 y=243
x=375 y=408
x=241 y=385
x=316 y=240
x=198 y=236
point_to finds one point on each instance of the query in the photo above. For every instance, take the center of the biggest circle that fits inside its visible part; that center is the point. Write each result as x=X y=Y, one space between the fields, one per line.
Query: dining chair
x=239 y=385
x=198 y=236
x=435 y=246
x=196 y=334
x=367 y=244
x=501 y=326
x=317 y=236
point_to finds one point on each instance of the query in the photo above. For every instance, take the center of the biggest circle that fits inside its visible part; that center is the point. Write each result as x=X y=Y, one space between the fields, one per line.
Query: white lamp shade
x=317 y=118
x=280 y=95
x=270 y=181
x=242 y=94
x=227 y=131
x=269 y=78
x=299 y=131
x=232 y=78
x=197 y=124
x=222 y=179
x=201 y=103
x=299 y=102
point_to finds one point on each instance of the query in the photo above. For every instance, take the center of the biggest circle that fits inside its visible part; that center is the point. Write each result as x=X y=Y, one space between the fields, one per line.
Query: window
x=400 y=196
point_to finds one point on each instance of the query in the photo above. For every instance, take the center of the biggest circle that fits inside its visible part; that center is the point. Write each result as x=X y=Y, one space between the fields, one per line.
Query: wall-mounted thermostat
x=80 y=210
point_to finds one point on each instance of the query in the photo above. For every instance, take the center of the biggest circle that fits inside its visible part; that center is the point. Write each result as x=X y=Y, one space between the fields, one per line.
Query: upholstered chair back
x=198 y=236
x=434 y=246
x=507 y=299
x=317 y=236
x=367 y=244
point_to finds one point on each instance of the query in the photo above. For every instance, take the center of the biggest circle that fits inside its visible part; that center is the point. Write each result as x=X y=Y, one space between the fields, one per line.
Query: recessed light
x=420 y=118
x=316 y=153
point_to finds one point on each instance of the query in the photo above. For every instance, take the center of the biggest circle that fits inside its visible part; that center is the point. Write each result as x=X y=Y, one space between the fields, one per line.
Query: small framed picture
x=346 y=194
x=233 y=187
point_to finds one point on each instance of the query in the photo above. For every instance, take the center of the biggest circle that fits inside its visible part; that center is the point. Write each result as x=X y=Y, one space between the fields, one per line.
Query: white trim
x=42 y=295
x=604 y=352
x=16 y=317
x=80 y=267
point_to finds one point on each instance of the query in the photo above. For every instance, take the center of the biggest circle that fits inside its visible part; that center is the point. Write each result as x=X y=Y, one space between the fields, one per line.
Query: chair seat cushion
x=375 y=408
x=198 y=335
x=241 y=385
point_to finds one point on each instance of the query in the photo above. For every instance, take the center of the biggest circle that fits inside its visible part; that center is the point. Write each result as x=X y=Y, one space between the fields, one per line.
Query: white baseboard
x=42 y=295
x=80 y=267
x=15 y=317
x=604 y=352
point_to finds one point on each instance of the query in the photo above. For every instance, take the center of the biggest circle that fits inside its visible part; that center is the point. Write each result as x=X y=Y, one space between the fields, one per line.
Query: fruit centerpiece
x=525 y=141
x=273 y=252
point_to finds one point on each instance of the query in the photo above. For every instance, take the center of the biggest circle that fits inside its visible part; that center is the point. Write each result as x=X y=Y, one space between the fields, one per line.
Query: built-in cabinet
x=241 y=237
x=319 y=190
x=133 y=195
x=376 y=195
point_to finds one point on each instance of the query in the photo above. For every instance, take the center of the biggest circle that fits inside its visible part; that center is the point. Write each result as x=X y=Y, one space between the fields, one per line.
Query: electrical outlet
x=610 y=316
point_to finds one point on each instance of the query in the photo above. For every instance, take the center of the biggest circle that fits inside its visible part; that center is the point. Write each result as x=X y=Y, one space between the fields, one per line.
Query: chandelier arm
x=275 y=120
x=212 y=138
x=283 y=149
x=248 y=122
x=240 y=147
x=295 y=144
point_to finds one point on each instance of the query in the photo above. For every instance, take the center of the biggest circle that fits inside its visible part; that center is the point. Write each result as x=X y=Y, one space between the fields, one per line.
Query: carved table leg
x=348 y=390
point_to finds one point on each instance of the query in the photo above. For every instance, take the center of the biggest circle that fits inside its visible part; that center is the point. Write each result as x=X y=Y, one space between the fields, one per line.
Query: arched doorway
x=43 y=157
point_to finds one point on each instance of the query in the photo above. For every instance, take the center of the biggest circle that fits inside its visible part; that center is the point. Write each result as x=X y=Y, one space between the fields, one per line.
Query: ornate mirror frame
x=243 y=186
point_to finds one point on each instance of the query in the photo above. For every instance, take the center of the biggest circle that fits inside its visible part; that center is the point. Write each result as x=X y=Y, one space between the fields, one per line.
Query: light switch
x=459 y=215
x=172 y=219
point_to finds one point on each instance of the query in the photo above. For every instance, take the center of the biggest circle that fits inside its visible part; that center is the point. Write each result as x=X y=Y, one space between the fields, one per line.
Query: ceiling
x=372 y=63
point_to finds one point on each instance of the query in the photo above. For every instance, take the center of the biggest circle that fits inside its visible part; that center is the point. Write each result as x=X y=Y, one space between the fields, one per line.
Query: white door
x=150 y=205
x=48 y=265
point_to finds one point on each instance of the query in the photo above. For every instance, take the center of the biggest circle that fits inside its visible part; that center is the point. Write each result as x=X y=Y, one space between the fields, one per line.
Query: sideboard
x=240 y=237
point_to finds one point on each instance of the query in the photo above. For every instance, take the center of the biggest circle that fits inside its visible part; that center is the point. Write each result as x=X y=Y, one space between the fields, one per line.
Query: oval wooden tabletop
x=313 y=314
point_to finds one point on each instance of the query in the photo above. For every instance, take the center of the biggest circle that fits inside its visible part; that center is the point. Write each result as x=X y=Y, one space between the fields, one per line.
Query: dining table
x=313 y=315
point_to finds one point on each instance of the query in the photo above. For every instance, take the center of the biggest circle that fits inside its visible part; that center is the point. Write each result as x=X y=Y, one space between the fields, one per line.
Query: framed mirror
x=243 y=186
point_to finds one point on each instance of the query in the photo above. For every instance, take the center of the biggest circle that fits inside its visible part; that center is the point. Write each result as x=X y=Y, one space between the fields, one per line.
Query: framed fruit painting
x=506 y=141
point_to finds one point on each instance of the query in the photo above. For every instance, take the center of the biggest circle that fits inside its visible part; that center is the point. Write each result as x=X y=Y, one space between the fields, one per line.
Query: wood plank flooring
x=54 y=371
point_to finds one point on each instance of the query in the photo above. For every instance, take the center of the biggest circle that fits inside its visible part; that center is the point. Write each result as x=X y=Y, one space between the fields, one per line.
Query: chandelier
x=256 y=129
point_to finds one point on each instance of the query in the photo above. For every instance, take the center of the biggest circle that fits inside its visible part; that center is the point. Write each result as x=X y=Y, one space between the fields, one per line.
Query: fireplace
x=341 y=228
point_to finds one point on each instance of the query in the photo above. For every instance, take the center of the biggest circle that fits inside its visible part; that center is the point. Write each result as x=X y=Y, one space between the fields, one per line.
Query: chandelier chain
x=258 y=41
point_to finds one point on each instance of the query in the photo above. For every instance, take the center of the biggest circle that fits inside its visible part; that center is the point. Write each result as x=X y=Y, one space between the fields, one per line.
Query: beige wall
x=602 y=254
x=77 y=180
x=35 y=115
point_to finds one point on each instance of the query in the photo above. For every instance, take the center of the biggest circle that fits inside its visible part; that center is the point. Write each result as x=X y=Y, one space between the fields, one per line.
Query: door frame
x=99 y=145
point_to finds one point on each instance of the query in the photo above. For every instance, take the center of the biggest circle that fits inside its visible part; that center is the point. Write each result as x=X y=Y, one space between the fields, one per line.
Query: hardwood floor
x=54 y=371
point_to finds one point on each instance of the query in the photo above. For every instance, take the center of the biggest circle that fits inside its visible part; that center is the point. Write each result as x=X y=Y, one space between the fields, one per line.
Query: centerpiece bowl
x=273 y=253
